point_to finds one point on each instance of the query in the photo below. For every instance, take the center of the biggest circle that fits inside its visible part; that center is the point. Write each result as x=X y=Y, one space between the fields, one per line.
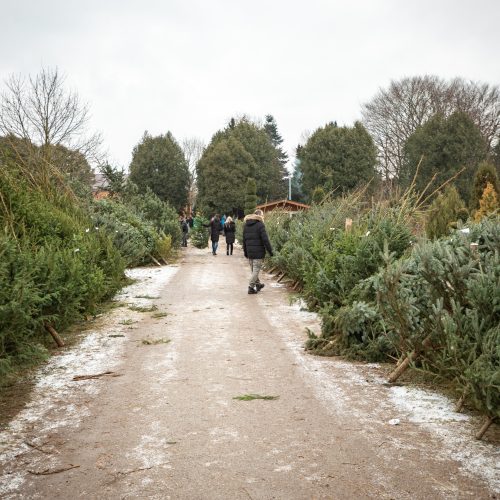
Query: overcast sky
x=189 y=65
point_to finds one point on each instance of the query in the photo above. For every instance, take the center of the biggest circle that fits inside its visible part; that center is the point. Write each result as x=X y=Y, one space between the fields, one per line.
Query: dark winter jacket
x=214 y=229
x=230 y=230
x=255 y=239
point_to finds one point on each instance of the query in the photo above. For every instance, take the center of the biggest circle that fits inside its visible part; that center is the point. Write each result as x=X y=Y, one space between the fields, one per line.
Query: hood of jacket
x=251 y=219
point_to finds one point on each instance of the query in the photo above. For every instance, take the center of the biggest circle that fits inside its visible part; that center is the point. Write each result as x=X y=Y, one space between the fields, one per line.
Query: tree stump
x=484 y=427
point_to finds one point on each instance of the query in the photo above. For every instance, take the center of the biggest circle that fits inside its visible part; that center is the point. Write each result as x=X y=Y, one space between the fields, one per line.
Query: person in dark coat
x=230 y=232
x=214 y=226
x=185 y=231
x=255 y=244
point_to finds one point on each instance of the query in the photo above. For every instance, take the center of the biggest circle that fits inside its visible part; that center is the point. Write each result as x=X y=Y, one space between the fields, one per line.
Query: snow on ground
x=57 y=400
x=331 y=378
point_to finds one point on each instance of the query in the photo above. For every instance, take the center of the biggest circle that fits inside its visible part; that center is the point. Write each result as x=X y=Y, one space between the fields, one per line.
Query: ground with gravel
x=165 y=422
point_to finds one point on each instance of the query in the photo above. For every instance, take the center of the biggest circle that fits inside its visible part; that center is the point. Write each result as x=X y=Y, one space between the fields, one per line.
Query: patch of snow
x=329 y=378
x=96 y=353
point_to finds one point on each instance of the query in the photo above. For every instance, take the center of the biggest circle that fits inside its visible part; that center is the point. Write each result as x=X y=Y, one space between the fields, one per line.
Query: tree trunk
x=401 y=368
x=484 y=428
x=55 y=335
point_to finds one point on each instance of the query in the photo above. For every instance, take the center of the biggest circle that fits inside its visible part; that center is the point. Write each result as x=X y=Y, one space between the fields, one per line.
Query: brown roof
x=283 y=204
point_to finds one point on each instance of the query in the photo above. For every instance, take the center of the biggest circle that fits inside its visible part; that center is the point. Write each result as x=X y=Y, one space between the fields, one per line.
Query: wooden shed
x=286 y=205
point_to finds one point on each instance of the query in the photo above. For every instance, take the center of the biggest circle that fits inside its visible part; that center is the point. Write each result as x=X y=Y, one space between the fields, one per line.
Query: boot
x=252 y=289
x=260 y=286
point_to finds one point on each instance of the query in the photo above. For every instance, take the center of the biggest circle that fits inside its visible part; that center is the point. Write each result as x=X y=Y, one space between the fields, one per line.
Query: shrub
x=444 y=213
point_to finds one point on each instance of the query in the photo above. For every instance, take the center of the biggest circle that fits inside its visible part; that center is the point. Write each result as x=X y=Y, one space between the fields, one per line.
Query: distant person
x=185 y=231
x=222 y=222
x=214 y=226
x=230 y=232
x=255 y=244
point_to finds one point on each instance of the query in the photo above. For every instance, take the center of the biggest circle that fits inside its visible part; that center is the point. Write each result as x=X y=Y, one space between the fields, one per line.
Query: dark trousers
x=229 y=249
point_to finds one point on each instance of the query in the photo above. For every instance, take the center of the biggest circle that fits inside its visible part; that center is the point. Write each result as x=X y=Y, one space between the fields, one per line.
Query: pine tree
x=488 y=203
x=251 y=196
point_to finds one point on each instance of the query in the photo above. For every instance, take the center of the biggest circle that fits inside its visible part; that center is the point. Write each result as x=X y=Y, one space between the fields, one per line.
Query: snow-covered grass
x=59 y=401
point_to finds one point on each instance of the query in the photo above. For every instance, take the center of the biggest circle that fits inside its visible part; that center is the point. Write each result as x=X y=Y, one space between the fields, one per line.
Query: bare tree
x=193 y=148
x=393 y=114
x=41 y=111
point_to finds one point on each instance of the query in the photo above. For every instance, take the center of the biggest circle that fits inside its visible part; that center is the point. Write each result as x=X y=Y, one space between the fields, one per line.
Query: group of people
x=224 y=226
x=255 y=241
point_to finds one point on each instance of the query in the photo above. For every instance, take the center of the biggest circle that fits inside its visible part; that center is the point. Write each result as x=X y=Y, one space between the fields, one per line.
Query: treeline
x=421 y=129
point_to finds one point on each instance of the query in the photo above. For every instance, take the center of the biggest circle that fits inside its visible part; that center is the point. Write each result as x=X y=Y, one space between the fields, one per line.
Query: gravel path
x=165 y=423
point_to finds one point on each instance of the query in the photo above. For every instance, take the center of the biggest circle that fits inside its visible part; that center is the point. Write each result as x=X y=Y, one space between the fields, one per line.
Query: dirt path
x=168 y=425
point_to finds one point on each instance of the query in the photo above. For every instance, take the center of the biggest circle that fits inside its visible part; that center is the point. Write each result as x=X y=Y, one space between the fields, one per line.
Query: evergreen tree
x=159 y=163
x=488 y=203
x=337 y=158
x=222 y=173
x=444 y=146
x=272 y=131
x=318 y=195
x=485 y=174
x=443 y=213
x=250 y=196
x=269 y=171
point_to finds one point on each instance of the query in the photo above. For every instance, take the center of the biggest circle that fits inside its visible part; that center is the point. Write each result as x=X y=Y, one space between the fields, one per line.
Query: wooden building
x=286 y=205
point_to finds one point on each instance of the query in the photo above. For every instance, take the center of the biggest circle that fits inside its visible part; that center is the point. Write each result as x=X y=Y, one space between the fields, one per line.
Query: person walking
x=185 y=231
x=255 y=244
x=214 y=226
x=230 y=232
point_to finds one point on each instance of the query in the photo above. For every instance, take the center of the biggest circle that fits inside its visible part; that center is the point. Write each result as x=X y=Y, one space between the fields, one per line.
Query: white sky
x=189 y=65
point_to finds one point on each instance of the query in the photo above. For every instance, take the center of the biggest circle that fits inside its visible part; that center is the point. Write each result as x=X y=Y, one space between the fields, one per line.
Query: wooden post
x=55 y=335
x=348 y=225
x=484 y=428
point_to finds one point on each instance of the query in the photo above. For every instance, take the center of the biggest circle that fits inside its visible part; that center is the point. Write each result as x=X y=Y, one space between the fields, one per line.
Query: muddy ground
x=165 y=422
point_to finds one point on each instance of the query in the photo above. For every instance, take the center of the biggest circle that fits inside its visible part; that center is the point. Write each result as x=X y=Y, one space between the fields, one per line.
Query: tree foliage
x=488 y=204
x=395 y=113
x=247 y=151
x=337 y=158
x=443 y=146
x=222 y=173
x=486 y=173
x=250 y=196
x=444 y=212
x=158 y=163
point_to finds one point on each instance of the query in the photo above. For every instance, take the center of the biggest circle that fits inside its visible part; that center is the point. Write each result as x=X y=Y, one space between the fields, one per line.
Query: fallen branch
x=47 y=472
x=59 y=341
x=97 y=375
x=35 y=447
